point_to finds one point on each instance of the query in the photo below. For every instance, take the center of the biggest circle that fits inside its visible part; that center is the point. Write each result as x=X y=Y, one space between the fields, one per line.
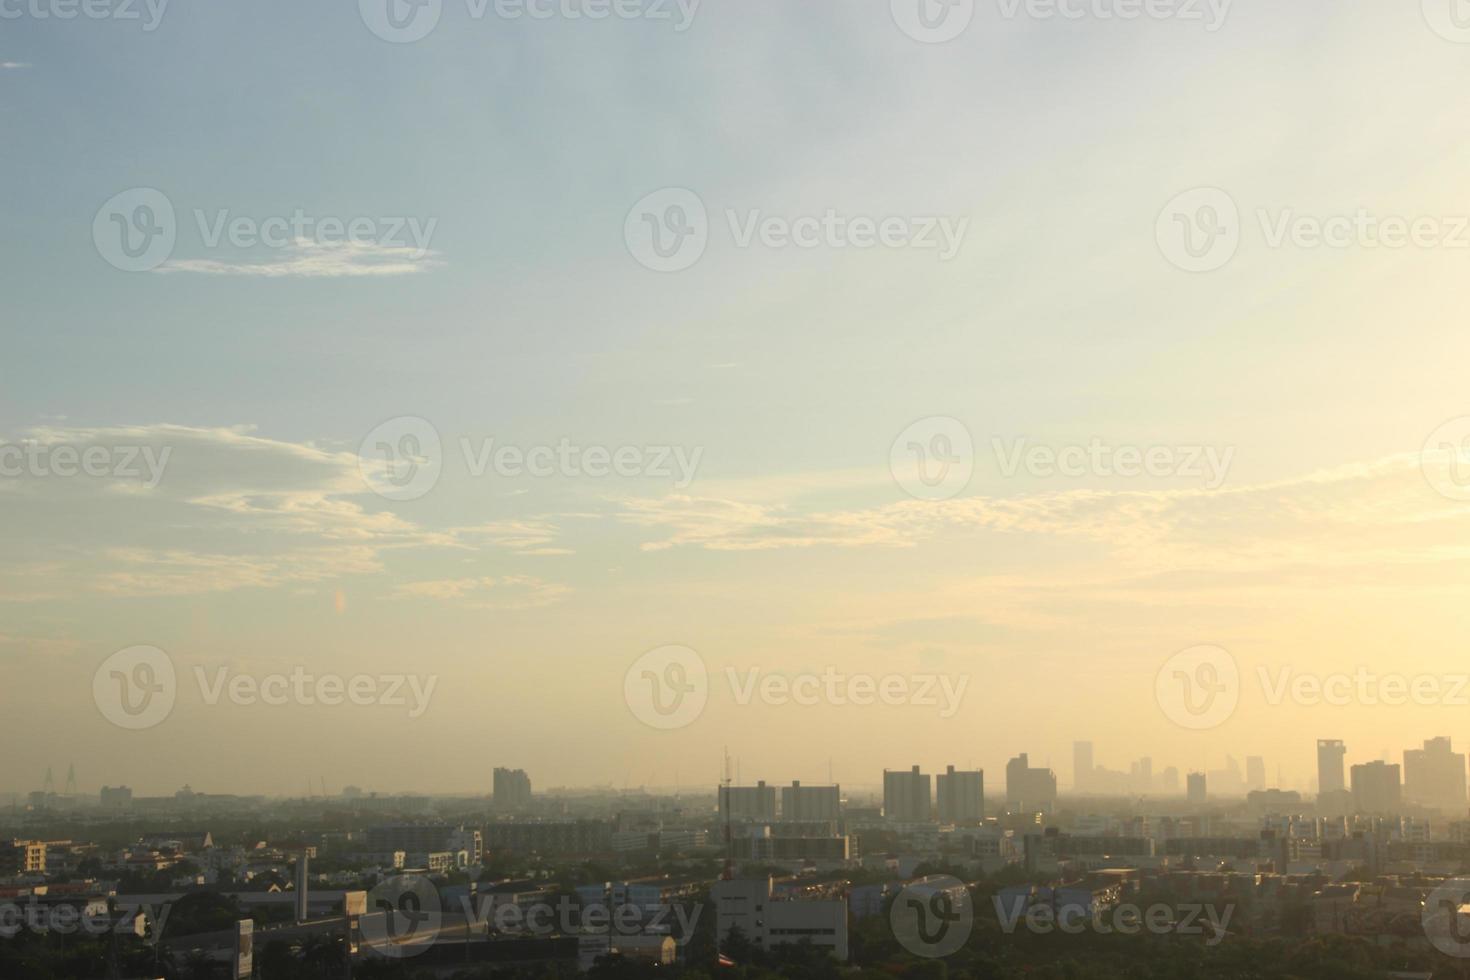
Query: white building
x=747 y=904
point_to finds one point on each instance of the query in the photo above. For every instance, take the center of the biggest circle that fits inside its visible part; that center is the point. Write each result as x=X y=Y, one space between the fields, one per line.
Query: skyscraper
x=1197 y=792
x=907 y=795
x=1330 y=756
x=1255 y=772
x=1435 y=775
x=800 y=802
x=512 y=788
x=960 y=796
x=1027 y=788
x=1082 y=766
x=1377 y=788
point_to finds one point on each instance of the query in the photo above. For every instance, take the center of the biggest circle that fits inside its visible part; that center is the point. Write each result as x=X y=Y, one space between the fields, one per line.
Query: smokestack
x=301 y=887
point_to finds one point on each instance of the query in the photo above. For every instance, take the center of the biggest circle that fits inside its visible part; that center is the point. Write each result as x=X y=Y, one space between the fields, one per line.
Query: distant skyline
x=1038 y=464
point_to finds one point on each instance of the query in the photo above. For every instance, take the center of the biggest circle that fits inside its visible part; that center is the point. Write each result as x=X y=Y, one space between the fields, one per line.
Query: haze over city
x=660 y=398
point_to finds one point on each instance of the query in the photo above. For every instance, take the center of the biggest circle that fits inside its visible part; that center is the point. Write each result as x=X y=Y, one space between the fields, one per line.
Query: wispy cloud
x=13 y=65
x=487 y=592
x=307 y=259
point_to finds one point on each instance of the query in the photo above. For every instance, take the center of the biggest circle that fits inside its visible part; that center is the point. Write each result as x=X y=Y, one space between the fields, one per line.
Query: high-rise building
x=1255 y=773
x=1029 y=789
x=1082 y=766
x=1377 y=788
x=813 y=803
x=1197 y=792
x=512 y=789
x=960 y=796
x=907 y=795
x=1330 y=756
x=1434 y=776
x=115 y=797
x=756 y=803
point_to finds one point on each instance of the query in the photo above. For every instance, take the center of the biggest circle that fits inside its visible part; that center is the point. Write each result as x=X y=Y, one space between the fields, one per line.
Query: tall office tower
x=1377 y=788
x=906 y=796
x=1435 y=776
x=1145 y=782
x=303 y=887
x=1197 y=792
x=757 y=803
x=1029 y=789
x=1330 y=756
x=512 y=789
x=1255 y=772
x=960 y=796
x=800 y=802
x=1082 y=766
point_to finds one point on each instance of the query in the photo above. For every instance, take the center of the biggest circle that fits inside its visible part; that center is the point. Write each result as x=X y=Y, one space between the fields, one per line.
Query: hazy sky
x=525 y=313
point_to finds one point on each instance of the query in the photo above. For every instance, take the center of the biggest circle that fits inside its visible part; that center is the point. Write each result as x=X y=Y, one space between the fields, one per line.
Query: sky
x=577 y=233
